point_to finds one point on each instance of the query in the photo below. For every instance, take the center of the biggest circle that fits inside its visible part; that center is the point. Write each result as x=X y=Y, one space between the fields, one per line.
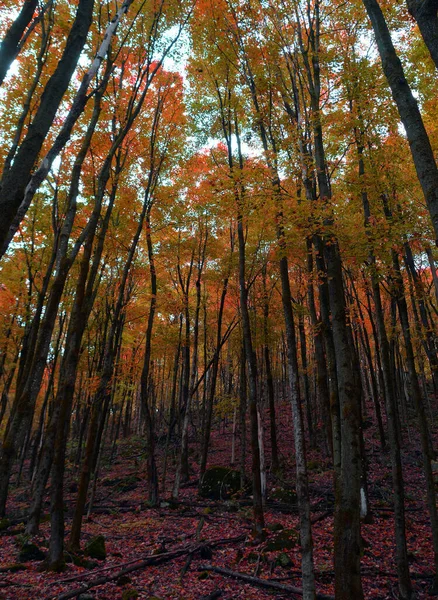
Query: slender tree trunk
x=242 y=414
x=322 y=388
x=212 y=387
x=300 y=450
x=306 y=384
x=433 y=269
x=398 y=290
x=152 y=475
x=269 y=378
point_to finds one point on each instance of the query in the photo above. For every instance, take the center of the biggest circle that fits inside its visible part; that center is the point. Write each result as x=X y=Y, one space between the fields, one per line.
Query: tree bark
x=10 y=44
x=419 y=142
x=14 y=182
x=425 y=12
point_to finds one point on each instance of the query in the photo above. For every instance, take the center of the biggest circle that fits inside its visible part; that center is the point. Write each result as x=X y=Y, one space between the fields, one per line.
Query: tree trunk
x=151 y=469
x=10 y=44
x=425 y=13
x=15 y=180
x=419 y=143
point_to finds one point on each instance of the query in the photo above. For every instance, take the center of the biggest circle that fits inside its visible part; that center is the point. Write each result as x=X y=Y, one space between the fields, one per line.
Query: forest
x=218 y=299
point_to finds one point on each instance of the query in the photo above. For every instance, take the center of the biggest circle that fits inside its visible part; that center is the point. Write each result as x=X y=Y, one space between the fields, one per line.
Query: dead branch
x=141 y=564
x=273 y=585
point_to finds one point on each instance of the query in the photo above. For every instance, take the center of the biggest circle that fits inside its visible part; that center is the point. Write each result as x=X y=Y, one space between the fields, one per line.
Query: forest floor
x=134 y=532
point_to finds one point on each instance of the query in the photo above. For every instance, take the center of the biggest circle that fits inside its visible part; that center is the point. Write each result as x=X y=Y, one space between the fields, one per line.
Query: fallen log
x=273 y=585
x=152 y=560
x=213 y=596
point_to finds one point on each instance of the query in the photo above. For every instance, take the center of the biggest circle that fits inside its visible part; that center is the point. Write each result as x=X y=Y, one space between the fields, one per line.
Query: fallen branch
x=273 y=585
x=82 y=576
x=213 y=596
x=152 y=560
x=324 y=515
x=155 y=559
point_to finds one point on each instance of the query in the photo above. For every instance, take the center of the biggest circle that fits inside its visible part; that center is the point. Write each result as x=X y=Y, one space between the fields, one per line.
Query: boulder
x=95 y=548
x=283 y=540
x=220 y=483
x=130 y=594
x=4 y=524
x=283 y=560
x=30 y=552
x=284 y=495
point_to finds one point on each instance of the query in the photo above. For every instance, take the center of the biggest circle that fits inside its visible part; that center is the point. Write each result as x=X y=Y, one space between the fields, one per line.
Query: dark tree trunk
x=322 y=388
x=14 y=182
x=242 y=414
x=419 y=143
x=382 y=344
x=269 y=378
x=10 y=44
x=398 y=291
x=306 y=384
x=425 y=12
x=146 y=404
x=212 y=387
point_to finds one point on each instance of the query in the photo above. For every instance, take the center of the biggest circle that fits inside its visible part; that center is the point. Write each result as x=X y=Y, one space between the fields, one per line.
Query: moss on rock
x=96 y=548
x=30 y=552
x=283 y=540
x=220 y=483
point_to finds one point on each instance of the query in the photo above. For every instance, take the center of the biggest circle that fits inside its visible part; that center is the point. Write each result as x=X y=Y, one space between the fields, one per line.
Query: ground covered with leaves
x=168 y=552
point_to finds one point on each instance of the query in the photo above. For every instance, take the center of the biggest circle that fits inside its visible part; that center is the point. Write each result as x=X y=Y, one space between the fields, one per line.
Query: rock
x=284 y=540
x=230 y=506
x=129 y=594
x=275 y=527
x=313 y=465
x=203 y=575
x=220 y=483
x=4 y=524
x=14 y=568
x=128 y=483
x=30 y=552
x=284 y=495
x=283 y=560
x=205 y=552
x=123 y=580
x=89 y=564
x=123 y=484
x=96 y=548
x=86 y=597
x=79 y=561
